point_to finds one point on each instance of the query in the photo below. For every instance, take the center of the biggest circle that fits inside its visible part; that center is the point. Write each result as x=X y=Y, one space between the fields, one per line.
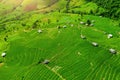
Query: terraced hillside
x=58 y=45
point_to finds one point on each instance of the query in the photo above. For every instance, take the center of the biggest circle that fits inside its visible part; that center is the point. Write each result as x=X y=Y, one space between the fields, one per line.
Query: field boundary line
x=60 y=76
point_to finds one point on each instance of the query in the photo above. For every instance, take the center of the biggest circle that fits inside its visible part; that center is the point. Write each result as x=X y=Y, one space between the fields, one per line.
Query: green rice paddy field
x=70 y=57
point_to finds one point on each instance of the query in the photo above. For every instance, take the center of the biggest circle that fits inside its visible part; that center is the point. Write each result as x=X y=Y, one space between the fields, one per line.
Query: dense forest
x=112 y=7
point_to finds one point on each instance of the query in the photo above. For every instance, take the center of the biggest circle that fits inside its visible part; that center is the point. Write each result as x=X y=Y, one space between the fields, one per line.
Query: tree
x=67 y=5
x=49 y=21
x=88 y=22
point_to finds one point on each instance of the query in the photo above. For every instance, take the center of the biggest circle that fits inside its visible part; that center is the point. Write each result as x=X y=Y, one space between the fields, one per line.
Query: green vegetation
x=46 y=44
x=112 y=7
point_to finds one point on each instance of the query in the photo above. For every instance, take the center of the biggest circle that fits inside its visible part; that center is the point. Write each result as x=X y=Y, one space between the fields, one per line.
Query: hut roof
x=46 y=61
x=82 y=22
x=110 y=36
x=95 y=44
x=3 y=54
x=64 y=26
x=113 y=51
x=39 y=31
x=82 y=36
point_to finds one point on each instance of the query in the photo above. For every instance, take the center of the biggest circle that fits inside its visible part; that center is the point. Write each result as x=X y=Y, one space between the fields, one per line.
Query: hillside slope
x=70 y=56
x=57 y=40
x=25 y=5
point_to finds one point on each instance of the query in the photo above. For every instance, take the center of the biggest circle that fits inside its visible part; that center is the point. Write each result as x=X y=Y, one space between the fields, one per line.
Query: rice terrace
x=59 y=39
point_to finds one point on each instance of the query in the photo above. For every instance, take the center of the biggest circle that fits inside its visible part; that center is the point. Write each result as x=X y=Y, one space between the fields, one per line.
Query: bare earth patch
x=30 y=7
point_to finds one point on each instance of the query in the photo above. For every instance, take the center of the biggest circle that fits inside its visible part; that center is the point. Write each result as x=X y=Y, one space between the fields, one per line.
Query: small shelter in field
x=91 y=24
x=110 y=36
x=86 y=24
x=113 y=51
x=82 y=36
x=46 y=61
x=3 y=54
x=95 y=44
x=39 y=31
x=82 y=22
x=64 y=26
